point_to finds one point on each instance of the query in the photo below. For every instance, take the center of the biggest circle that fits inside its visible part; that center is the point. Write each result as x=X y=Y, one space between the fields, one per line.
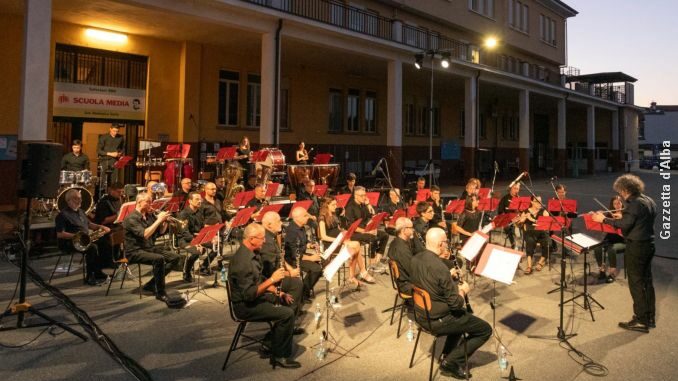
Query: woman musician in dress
x=613 y=244
x=532 y=236
x=302 y=154
x=329 y=228
x=243 y=153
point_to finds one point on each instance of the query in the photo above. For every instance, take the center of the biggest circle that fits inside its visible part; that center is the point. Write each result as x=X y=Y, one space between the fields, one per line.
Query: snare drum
x=67 y=177
x=83 y=177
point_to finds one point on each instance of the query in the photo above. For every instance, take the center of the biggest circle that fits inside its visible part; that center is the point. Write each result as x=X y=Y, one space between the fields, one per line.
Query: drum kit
x=68 y=180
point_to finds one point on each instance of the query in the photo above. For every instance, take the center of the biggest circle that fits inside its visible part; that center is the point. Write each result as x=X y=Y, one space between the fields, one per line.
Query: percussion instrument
x=211 y=159
x=83 y=177
x=66 y=177
x=87 y=200
x=172 y=171
x=274 y=160
x=320 y=173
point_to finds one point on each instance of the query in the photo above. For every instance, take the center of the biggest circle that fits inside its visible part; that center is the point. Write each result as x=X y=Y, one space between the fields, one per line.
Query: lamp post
x=489 y=44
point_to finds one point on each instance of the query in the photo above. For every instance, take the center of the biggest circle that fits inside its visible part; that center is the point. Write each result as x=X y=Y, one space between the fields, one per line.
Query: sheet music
x=333 y=246
x=473 y=246
x=583 y=240
x=501 y=266
x=334 y=266
x=486 y=229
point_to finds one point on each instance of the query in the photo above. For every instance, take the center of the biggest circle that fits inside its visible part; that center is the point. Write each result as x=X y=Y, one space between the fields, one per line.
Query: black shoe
x=652 y=323
x=149 y=287
x=94 y=281
x=298 y=331
x=635 y=325
x=205 y=272
x=285 y=363
x=308 y=301
x=453 y=369
x=101 y=275
x=610 y=279
x=601 y=275
x=188 y=278
x=162 y=296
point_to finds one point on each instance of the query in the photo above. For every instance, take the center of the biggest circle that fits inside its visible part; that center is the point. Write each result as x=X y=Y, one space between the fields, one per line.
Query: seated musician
x=272 y=259
x=72 y=220
x=75 y=160
x=308 y=193
x=252 y=181
x=447 y=314
x=421 y=225
x=561 y=194
x=532 y=236
x=329 y=228
x=220 y=182
x=142 y=228
x=184 y=189
x=253 y=296
x=437 y=204
x=359 y=207
x=393 y=203
x=302 y=154
x=259 y=199
x=296 y=247
x=349 y=188
x=472 y=187
x=469 y=220
x=612 y=243
x=212 y=209
x=503 y=207
x=412 y=192
x=194 y=215
x=401 y=252
x=106 y=213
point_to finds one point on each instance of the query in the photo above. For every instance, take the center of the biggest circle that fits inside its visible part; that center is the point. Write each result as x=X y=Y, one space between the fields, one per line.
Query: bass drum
x=274 y=160
x=87 y=200
x=172 y=171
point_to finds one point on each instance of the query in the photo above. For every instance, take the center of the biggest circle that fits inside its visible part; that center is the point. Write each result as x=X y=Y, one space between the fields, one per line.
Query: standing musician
x=302 y=154
x=472 y=187
x=401 y=252
x=447 y=313
x=253 y=296
x=72 y=220
x=421 y=225
x=613 y=244
x=503 y=207
x=185 y=187
x=212 y=209
x=533 y=236
x=272 y=259
x=142 y=227
x=637 y=225
x=107 y=209
x=243 y=153
x=75 y=160
x=359 y=207
x=329 y=228
x=296 y=245
x=109 y=149
x=193 y=214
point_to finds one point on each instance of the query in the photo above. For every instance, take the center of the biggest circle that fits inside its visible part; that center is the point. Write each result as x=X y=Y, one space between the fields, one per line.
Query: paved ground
x=191 y=344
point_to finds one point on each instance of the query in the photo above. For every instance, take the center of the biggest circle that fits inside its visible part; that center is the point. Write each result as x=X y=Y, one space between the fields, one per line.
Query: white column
x=562 y=124
x=615 y=130
x=590 y=127
x=35 y=75
x=524 y=119
x=394 y=112
x=470 y=110
x=268 y=69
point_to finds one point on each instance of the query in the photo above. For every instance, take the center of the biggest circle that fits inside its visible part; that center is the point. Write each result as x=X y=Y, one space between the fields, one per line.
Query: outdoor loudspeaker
x=40 y=163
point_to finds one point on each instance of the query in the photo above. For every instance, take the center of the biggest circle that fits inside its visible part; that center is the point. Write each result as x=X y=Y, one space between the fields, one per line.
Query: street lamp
x=489 y=43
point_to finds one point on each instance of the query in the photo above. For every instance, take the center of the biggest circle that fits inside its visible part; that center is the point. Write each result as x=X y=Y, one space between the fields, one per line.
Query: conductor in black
x=109 y=149
x=637 y=225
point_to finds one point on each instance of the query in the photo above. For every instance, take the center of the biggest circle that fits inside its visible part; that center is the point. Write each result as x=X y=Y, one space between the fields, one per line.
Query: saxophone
x=82 y=241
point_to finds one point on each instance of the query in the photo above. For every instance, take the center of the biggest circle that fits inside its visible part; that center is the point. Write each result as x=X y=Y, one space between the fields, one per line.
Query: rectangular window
x=370 y=112
x=253 y=100
x=436 y=121
x=336 y=111
x=484 y=7
x=229 y=84
x=547 y=30
x=353 y=111
x=409 y=119
x=422 y=121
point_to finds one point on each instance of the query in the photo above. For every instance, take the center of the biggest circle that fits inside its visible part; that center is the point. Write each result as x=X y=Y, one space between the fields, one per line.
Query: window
x=484 y=7
x=547 y=30
x=229 y=83
x=422 y=121
x=253 y=100
x=353 y=111
x=518 y=15
x=409 y=119
x=336 y=111
x=436 y=121
x=370 y=112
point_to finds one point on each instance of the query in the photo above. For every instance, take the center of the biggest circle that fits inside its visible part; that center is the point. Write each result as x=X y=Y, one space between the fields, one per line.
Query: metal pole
x=430 y=130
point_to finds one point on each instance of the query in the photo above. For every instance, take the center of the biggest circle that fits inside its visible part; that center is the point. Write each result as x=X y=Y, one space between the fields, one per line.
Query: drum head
x=87 y=200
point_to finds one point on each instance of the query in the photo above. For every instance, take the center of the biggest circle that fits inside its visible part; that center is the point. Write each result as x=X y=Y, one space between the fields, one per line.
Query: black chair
x=422 y=305
x=239 y=331
x=71 y=253
x=117 y=238
x=395 y=274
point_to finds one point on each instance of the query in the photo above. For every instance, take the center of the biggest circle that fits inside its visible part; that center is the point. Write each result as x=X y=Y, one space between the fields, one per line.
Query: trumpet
x=173 y=221
x=82 y=241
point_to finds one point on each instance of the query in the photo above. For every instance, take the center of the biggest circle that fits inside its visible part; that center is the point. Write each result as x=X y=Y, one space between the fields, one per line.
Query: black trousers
x=639 y=256
x=378 y=241
x=312 y=272
x=162 y=260
x=477 y=329
x=532 y=237
x=294 y=287
x=282 y=318
x=193 y=255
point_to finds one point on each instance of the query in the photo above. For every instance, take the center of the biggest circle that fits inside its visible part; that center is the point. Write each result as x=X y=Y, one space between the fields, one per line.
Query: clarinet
x=458 y=279
x=278 y=287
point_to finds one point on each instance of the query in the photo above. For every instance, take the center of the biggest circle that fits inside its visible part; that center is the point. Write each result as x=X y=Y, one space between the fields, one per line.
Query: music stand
x=226 y=153
x=549 y=224
x=242 y=198
x=483 y=193
x=320 y=190
x=373 y=197
x=568 y=206
x=322 y=158
x=582 y=243
x=342 y=199
x=488 y=204
x=423 y=194
x=125 y=210
x=412 y=211
x=268 y=208
x=374 y=222
x=301 y=204
x=204 y=236
x=272 y=190
x=455 y=207
x=397 y=214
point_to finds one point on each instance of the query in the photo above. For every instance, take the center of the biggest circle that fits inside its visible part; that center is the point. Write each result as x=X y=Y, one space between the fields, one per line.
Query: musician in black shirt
x=469 y=220
x=107 y=210
x=184 y=189
x=421 y=225
x=110 y=148
x=253 y=296
x=447 y=314
x=503 y=207
x=212 y=209
x=193 y=215
x=637 y=225
x=359 y=207
x=400 y=251
x=533 y=236
x=296 y=245
x=612 y=243
x=393 y=203
x=75 y=160
x=350 y=185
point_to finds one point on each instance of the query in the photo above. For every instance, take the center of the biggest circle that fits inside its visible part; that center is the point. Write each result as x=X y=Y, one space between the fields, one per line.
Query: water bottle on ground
x=410 y=330
x=224 y=274
x=317 y=313
x=502 y=358
x=322 y=348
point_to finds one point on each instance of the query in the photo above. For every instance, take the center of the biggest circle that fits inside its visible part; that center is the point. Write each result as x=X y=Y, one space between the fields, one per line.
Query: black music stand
x=204 y=236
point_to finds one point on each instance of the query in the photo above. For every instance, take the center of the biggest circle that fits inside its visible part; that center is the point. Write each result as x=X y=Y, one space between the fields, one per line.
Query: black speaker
x=40 y=163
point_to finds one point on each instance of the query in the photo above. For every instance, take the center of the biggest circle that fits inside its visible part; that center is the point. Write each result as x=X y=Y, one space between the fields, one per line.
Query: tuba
x=232 y=174
x=81 y=241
